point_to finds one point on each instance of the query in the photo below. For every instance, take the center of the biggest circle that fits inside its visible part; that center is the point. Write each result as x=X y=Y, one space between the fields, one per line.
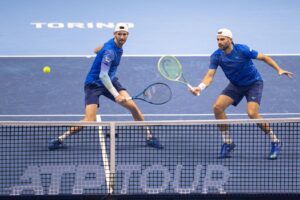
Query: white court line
x=151 y=115
x=130 y=55
x=104 y=155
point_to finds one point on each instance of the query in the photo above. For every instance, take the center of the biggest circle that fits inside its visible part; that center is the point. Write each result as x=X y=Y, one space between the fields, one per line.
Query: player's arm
x=108 y=84
x=104 y=77
x=206 y=81
x=107 y=81
x=208 y=78
x=273 y=64
x=97 y=49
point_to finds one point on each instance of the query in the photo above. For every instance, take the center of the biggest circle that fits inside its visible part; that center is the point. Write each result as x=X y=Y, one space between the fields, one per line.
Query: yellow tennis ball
x=47 y=70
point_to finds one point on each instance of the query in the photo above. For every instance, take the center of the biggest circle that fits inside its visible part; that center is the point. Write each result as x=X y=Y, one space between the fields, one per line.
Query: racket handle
x=128 y=98
x=191 y=88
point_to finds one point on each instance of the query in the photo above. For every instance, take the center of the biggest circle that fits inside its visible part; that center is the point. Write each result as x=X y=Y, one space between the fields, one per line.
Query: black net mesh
x=92 y=162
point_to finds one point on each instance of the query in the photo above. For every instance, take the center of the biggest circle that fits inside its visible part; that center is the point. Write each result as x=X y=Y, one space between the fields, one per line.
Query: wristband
x=202 y=86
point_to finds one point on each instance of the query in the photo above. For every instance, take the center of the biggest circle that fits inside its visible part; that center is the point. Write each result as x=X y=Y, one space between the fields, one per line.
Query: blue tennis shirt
x=237 y=65
x=110 y=55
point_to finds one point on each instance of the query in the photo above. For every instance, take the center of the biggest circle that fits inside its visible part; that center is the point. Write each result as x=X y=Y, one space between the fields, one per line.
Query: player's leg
x=253 y=97
x=132 y=107
x=219 y=108
x=92 y=93
x=135 y=111
x=129 y=105
x=90 y=115
x=231 y=95
x=253 y=113
x=138 y=116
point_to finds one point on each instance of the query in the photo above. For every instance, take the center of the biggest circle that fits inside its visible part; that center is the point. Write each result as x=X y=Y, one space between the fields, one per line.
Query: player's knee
x=218 y=109
x=253 y=114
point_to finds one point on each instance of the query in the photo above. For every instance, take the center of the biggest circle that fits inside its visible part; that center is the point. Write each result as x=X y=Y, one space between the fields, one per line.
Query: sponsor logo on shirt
x=107 y=59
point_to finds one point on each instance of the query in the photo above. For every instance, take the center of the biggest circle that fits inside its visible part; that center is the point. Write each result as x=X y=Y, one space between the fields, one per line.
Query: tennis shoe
x=154 y=142
x=54 y=144
x=275 y=150
x=226 y=149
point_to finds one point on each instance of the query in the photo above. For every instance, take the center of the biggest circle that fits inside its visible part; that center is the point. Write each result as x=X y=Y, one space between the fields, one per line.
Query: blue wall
x=160 y=27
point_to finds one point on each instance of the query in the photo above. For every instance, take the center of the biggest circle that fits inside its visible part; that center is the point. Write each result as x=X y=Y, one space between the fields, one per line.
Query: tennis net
x=113 y=158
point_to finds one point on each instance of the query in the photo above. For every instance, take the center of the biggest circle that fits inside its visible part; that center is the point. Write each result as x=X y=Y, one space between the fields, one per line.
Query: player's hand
x=195 y=91
x=120 y=98
x=97 y=49
x=287 y=73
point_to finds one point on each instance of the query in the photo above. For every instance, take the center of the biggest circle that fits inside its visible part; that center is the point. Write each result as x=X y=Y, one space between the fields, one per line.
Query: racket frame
x=138 y=96
x=180 y=78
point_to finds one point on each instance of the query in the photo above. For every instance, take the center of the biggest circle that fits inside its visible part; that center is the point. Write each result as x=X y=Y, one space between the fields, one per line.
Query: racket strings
x=170 y=68
x=157 y=94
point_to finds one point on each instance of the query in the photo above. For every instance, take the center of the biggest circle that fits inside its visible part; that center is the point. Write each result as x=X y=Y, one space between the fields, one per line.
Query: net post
x=112 y=156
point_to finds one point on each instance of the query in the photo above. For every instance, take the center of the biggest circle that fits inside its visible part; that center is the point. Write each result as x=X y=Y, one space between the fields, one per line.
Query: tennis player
x=245 y=81
x=102 y=80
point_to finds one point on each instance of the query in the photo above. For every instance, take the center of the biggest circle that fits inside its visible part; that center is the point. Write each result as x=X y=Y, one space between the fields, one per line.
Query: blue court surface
x=28 y=91
x=63 y=35
x=188 y=149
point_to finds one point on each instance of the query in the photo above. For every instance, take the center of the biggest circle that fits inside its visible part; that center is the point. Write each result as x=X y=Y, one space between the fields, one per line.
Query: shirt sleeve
x=108 y=57
x=214 y=63
x=249 y=53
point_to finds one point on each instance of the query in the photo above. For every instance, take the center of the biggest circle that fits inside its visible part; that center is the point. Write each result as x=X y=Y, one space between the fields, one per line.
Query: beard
x=223 y=47
x=121 y=42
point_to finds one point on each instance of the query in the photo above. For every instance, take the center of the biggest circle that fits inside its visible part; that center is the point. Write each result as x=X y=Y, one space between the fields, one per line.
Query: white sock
x=149 y=135
x=273 y=137
x=64 y=136
x=226 y=137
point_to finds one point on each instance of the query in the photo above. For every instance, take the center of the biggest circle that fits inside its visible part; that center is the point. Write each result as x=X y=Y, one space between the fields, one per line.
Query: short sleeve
x=249 y=53
x=214 y=62
x=108 y=57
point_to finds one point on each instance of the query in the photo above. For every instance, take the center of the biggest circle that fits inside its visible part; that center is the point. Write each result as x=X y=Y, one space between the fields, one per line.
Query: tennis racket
x=170 y=68
x=156 y=93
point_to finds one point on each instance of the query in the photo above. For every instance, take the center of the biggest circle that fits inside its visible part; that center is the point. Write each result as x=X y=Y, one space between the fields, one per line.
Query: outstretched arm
x=206 y=81
x=272 y=63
